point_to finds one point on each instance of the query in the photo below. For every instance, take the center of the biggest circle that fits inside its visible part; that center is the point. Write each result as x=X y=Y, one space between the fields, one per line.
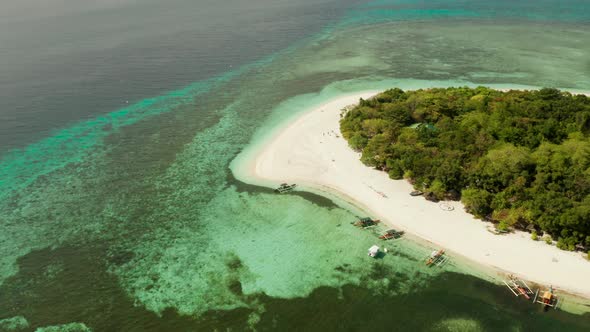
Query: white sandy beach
x=311 y=152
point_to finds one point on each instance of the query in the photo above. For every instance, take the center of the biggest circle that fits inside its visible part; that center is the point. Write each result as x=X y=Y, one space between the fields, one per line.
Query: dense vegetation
x=518 y=158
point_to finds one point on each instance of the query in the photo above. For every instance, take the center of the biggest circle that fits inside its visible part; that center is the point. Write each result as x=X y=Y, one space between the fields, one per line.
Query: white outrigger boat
x=374 y=251
x=518 y=287
x=285 y=188
x=437 y=258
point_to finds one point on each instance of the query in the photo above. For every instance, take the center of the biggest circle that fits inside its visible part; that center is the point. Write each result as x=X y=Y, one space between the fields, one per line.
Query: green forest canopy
x=519 y=158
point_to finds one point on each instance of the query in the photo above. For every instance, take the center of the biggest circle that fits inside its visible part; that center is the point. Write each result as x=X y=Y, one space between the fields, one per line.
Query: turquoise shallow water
x=544 y=10
x=133 y=220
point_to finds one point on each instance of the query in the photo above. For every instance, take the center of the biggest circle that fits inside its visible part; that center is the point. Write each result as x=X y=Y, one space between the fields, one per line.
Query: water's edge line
x=241 y=167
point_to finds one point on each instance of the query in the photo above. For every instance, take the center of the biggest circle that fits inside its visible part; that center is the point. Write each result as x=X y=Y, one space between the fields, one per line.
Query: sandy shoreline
x=310 y=151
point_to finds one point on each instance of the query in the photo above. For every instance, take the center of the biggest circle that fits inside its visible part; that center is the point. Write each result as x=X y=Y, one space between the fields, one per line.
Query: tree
x=519 y=157
x=477 y=201
x=500 y=166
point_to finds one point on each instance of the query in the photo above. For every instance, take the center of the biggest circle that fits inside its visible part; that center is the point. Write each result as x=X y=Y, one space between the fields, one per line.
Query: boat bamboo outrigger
x=518 y=287
x=366 y=222
x=547 y=298
x=285 y=187
x=391 y=234
x=437 y=258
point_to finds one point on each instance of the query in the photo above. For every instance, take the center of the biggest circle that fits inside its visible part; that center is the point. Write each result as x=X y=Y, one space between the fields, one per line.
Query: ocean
x=121 y=121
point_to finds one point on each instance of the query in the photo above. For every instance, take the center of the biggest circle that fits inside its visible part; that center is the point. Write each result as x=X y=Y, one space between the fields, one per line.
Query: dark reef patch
x=71 y=284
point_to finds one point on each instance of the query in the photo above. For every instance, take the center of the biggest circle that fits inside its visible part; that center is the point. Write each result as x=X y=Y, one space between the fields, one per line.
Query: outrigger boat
x=374 y=251
x=437 y=258
x=285 y=187
x=518 y=287
x=366 y=222
x=547 y=299
x=391 y=234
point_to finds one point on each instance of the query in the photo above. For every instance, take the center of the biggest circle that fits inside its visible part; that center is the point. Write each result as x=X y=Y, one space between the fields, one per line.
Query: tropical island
x=517 y=158
x=520 y=159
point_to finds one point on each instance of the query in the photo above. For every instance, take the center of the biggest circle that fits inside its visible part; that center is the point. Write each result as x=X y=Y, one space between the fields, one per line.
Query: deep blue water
x=66 y=61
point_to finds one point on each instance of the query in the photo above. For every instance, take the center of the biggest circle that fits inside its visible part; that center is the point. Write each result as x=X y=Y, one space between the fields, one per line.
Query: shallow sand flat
x=310 y=151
